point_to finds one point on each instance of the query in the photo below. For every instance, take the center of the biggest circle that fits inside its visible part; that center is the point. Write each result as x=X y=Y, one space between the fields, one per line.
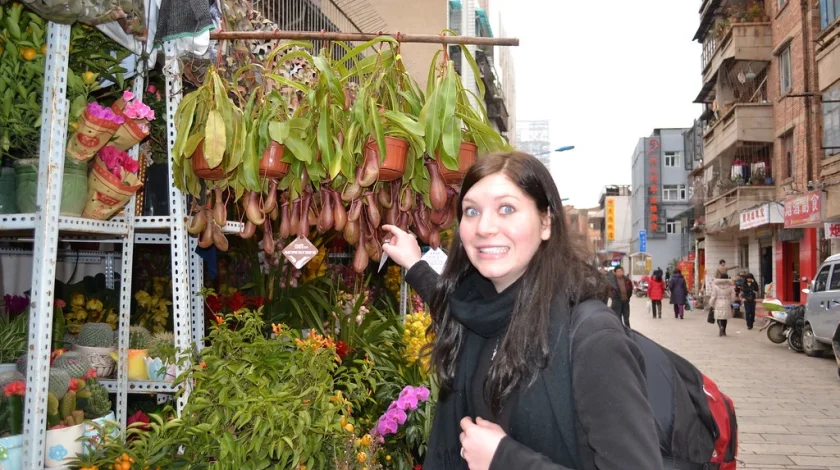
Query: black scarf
x=485 y=314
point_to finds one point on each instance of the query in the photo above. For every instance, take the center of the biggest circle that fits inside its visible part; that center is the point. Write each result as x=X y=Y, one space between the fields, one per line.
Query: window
x=782 y=3
x=788 y=156
x=830 y=11
x=821 y=281
x=785 y=78
x=673 y=159
x=831 y=119
x=835 y=278
x=673 y=227
x=674 y=192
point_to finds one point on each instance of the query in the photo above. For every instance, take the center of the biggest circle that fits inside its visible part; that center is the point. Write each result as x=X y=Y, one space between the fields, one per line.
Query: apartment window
x=785 y=78
x=831 y=119
x=673 y=227
x=673 y=159
x=788 y=155
x=830 y=11
x=674 y=192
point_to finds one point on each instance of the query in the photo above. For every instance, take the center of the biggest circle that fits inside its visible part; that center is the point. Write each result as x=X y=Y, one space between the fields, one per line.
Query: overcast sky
x=604 y=74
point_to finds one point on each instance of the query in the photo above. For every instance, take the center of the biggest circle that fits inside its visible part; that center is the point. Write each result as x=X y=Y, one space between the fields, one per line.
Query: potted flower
x=64 y=419
x=96 y=342
x=111 y=183
x=12 y=391
x=138 y=343
x=13 y=338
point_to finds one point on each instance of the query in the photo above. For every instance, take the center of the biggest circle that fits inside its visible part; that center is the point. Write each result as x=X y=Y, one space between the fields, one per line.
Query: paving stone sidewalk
x=788 y=404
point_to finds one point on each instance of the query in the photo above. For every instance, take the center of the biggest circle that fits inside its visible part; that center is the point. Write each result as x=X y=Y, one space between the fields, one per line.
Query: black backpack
x=696 y=423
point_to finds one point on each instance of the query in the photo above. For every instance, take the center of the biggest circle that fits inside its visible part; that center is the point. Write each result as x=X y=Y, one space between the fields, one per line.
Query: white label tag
x=300 y=252
x=436 y=259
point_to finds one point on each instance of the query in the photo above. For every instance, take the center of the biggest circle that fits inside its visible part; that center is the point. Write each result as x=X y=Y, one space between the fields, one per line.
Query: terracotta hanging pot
x=272 y=164
x=202 y=169
x=393 y=167
x=466 y=158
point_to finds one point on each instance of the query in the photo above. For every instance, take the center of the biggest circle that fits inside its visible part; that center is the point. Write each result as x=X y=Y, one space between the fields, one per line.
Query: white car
x=822 y=314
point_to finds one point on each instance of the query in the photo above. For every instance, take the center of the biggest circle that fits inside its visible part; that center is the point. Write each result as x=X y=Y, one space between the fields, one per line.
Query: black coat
x=679 y=290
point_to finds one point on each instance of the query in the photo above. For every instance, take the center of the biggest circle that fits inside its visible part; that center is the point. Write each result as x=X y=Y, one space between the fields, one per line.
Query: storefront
x=755 y=247
x=797 y=245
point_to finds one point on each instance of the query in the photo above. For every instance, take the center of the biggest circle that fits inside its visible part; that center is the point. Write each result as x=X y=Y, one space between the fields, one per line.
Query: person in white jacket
x=722 y=296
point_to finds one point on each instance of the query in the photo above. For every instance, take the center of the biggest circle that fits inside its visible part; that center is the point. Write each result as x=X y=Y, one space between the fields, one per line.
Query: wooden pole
x=338 y=36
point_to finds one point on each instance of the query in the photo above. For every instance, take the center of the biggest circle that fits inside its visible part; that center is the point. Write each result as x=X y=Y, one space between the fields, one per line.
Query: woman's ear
x=545 y=231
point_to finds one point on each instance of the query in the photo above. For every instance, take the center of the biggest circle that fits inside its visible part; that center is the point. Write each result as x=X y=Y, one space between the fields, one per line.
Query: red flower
x=342 y=349
x=258 y=301
x=214 y=303
x=59 y=303
x=91 y=374
x=74 y=384
x=139 y=417
x=418 y=467
x=15 y=388
x=236 y=301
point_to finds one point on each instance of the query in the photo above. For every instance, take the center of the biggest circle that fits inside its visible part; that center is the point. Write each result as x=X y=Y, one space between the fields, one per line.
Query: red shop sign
x=804 y=210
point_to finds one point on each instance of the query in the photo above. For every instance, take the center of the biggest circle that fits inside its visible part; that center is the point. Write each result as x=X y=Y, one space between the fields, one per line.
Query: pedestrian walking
x=622 y=291
x=515 y=390
x=721 y=270
x=679 y=293
x=668 y=275
x=749 y=293
x=656 y=292
x=723 y=295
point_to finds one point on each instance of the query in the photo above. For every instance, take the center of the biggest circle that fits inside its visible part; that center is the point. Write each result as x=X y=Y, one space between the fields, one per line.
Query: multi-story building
x=533 y=137
x=827 y=56
x=612 y=220
x=660 y=201
x=584 y=224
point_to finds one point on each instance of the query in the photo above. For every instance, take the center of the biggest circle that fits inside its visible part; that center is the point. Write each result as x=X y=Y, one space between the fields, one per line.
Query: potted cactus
x=12 y=390
x=64 y=419
x=96 y=342
x=138 y=343
x=161 y=358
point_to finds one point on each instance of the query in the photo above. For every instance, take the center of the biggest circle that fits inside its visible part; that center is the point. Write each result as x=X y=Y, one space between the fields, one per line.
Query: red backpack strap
x=723 y=411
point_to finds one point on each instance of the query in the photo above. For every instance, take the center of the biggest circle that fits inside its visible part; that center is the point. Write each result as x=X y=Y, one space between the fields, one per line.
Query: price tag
x=300 y=252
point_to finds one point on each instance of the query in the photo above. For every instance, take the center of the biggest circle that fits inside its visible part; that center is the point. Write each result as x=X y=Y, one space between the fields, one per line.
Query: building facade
x=532 y=137
x=611 y=221
x=827 y=56
x=660 y=201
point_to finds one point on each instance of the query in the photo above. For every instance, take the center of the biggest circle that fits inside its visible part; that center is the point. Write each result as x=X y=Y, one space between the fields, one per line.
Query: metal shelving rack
x=46 y=227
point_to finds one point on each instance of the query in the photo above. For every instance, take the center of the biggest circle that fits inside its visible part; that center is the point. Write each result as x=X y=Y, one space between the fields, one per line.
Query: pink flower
x=128 y=95
x=116 y=160
x=101 y=112
x=151 y=89
x=131 y=166
x=60 y=303
x=138 y=110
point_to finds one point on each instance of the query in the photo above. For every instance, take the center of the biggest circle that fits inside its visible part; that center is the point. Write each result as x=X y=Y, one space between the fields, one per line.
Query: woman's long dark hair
x=557 y=269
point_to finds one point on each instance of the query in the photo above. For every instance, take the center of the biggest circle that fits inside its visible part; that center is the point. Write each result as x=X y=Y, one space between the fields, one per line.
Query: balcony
x=828 y=55
x=740 y=42
x=743 y=122
x=722 y=212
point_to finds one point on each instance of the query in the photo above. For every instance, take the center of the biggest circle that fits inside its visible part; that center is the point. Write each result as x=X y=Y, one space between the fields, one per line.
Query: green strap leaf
x=479 y=84
x=451 y=142
x=299 y=149
x=184 y=117
x=376 y=126
x=215 y=139
x=279 y=131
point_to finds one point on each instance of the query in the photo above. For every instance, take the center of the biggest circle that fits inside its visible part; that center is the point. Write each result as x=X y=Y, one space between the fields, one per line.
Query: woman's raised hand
x=402 y=247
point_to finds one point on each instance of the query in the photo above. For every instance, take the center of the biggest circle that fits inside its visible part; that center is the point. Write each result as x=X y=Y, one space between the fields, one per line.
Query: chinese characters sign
x=609 y=209
x=652 y=155
x=832 y=231
x=803 y=210
x=755 y=217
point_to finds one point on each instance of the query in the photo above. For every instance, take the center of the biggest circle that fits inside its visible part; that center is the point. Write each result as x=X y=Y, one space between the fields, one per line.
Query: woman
x=679 y=293
x=723 y=294
x=748 y=295
x=656 y=292
x=517 y=391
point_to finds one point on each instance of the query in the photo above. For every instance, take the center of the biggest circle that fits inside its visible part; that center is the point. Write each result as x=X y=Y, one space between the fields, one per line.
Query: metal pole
x=50 y=176
x=336 y=36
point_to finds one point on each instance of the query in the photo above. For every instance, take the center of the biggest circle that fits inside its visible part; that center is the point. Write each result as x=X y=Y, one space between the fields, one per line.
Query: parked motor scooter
x=776 y=327
x=795 y=322
x=640 y=288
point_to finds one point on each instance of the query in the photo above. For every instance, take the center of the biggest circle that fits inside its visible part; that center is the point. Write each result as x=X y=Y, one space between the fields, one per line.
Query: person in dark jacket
x=518 y=388
x=749 y=293
x=656 y=292
x=621 y=293
x=679 y=293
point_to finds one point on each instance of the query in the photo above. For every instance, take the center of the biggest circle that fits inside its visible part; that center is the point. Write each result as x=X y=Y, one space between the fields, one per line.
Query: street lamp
x=561 y=149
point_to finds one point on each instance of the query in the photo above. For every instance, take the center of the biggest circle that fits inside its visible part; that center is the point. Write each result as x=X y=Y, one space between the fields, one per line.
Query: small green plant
x=162 y=346
x=96 y=335
x=76 y=365
x=138 y=337
x=12 y=338
x=59 y=382
x=94 y=400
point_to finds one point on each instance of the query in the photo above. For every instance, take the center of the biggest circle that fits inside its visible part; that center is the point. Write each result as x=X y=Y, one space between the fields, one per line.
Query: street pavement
x=788 y=404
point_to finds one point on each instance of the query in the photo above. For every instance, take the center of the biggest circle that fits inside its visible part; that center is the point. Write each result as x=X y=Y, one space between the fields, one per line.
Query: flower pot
x=110 y=425
x=107 y=193
x=466 y=158
x=73 y=188
x=63 y=445
x=8 y=191
x=99 y=358
x=392 y=166
x=156 y=190
x=272 y=164
x=202 y=169
x=137 y=369
x=768 y=180
x=131 y=132
x=160 y=370
x=11 y=452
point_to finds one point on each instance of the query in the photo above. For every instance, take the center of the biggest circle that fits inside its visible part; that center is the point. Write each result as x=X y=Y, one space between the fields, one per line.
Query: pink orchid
x=128 y=95
x=101 y=112
x=151 y=89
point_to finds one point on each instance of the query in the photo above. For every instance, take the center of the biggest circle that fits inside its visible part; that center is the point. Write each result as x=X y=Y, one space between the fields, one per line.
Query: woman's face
x=501 y=229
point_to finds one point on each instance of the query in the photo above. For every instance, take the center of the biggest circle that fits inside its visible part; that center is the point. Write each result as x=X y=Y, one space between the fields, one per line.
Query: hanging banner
x=653 y=146
x=832 y=231
x=609 y=212
x=804 y=210
x=764 y=214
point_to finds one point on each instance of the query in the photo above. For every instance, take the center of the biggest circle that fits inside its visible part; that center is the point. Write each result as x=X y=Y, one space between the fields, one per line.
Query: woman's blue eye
x=470 y=212
x=507 y=210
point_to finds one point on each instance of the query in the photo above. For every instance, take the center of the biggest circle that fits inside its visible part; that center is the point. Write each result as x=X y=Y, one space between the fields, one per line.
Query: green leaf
x=431 y=79
x=215 y=140
x=451 y=142
x=299 y=148
x=324 y=136
x=376 y=127
x=337 y=160
x=279 y=131
x=192 y=143
x=327 y=74
x=286 y=82
x=183 y=122
x=404 y=122
x=479 y=84
x=432 y=118
x=251 y=163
